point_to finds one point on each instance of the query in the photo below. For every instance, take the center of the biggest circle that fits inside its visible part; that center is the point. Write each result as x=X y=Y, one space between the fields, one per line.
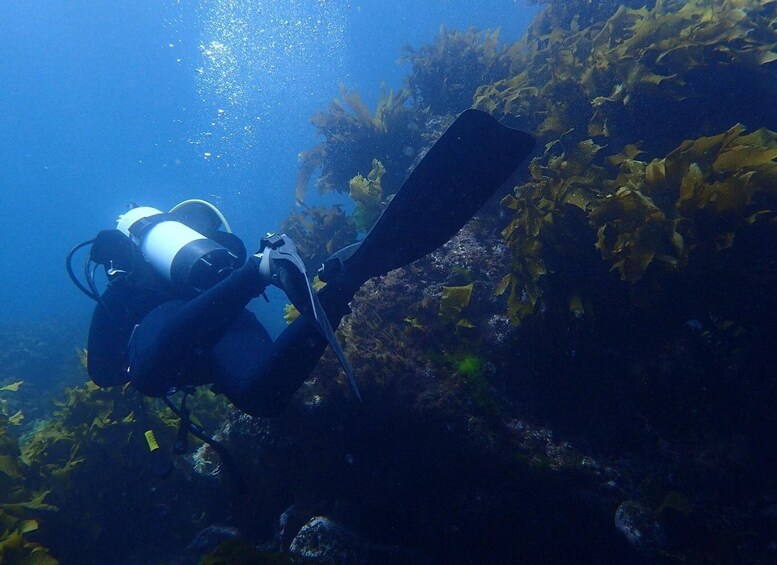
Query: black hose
x=69 y=265
x=223 y=453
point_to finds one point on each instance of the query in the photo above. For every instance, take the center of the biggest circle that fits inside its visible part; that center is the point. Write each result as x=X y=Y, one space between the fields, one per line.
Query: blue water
x=106 y=103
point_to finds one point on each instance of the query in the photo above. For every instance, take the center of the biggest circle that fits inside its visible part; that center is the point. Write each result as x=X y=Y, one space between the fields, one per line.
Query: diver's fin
x=326 y=330
x=461 y=171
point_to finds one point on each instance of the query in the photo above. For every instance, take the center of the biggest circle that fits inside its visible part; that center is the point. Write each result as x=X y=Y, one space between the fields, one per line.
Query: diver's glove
x=280 y=265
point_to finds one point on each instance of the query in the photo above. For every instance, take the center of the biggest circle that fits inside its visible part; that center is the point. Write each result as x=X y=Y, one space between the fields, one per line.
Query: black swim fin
x=461 y=171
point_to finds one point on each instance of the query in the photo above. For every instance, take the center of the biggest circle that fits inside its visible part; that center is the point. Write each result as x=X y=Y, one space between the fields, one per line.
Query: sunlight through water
x=257 y=60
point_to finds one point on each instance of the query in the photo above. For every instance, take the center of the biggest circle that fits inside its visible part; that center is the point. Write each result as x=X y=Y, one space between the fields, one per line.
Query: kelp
x=20 y=507
x=697 y=199
x=318 y=232
x=62 y=465
x=626 y=77
x=367 y=194
x=16 y=548
x=618 y=93
x=656 y=219
x=559 y=192
x=446 y=73
x=353 y=137
x=454 y=301
x=290 y=312
x=13 y=387
x=582 y=13
x=84 y=418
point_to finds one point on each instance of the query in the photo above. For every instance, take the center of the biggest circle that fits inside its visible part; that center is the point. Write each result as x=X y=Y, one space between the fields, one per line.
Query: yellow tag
x=151 y=440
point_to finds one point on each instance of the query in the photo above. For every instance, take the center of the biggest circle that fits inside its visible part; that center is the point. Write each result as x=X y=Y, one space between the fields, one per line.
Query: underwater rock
x=291 y=521
x=323 y=539
x=639 y=527
x=328 y=542
x=211 y=537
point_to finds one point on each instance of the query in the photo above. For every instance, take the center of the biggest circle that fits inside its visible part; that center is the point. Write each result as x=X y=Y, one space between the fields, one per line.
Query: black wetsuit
x=143 y=334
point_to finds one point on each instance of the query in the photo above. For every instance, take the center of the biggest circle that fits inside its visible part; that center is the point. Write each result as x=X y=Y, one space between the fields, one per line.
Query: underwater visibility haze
x=584 y=373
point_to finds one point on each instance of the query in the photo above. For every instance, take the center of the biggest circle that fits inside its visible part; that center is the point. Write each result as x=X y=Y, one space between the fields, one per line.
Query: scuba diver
x=173 y=314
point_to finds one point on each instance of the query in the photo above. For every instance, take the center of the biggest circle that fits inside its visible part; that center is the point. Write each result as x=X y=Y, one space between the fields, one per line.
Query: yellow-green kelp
x=319 y=231
x=657 y=75
x=652 y=220
x=618 y=104
x=367 y=193
x=445 y=73
x=353 y=137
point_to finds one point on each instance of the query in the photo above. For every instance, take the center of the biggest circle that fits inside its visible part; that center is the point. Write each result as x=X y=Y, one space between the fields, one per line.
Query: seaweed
x=446 y=73
x=354 y=137
x=367 y=193
x=16 y=548
x=470 y=365
x=656 y=219
x=543 y=233
x=582 y=13
x=454 y=301
x=290 y=312
x=318 y=232
x=62 y=465
x=20 y=509
x=605 y=96
x=625 y=78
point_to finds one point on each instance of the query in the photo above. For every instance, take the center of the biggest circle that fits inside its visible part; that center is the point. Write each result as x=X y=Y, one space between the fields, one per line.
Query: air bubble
x=260 y=59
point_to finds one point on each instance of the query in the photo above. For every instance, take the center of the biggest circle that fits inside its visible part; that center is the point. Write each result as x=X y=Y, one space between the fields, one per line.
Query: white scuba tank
x=183 y=256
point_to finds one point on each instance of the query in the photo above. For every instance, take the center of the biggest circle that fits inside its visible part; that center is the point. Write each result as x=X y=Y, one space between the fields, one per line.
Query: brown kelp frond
x=318 y=232
x=454 y=301
x=561 y=188
x=582 y=13
x=353 y=137
x=657 y=219
x=367 y=193
x=618 y=78
x=446 y=73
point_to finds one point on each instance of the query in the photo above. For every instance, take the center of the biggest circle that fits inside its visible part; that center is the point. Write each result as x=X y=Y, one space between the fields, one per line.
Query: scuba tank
x=171 y=244
x=184 y=257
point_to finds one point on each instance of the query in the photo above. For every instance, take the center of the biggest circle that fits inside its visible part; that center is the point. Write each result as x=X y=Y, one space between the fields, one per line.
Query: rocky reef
x=597 y=350
x=438 y=460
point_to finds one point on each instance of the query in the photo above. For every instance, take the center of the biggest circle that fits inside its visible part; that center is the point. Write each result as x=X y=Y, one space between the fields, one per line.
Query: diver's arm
x=121 y=308
x=170 y=348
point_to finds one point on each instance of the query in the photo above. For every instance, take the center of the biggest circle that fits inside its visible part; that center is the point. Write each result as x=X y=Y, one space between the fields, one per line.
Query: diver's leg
x=170 y=345
x=267 y=389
